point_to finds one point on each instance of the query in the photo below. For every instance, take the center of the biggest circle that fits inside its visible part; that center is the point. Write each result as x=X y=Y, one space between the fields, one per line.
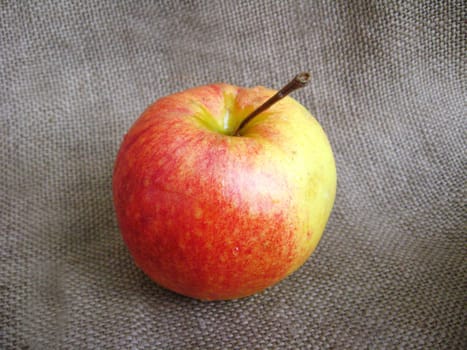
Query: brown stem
x=298 y=82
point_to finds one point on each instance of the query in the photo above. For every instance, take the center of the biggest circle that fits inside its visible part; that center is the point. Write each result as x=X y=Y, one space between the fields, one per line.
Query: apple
x=218 y=199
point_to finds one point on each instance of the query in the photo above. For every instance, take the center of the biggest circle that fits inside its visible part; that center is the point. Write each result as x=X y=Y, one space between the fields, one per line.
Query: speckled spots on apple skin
x=213 y=252
x=198 y=212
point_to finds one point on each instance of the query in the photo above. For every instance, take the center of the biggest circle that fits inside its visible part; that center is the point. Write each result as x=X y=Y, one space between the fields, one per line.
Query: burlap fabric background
x=389 y=88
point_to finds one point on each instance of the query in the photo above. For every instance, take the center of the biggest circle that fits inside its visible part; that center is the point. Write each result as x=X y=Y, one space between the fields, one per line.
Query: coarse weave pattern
x=389 y=88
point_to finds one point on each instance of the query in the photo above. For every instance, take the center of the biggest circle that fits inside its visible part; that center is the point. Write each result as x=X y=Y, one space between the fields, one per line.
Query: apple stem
x=298 y=82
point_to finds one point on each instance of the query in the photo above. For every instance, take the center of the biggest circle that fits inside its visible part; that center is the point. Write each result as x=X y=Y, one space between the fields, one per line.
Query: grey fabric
x=389 y=87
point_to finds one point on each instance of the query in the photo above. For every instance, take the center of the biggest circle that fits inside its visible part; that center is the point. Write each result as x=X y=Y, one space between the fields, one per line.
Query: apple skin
x=214 y=216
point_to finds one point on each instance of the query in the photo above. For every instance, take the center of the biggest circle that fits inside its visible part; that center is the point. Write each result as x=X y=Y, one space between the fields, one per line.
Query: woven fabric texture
x=389 y=88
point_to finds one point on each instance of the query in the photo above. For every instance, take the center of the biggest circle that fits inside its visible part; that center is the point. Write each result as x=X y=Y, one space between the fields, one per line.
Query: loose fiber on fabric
x=389 y=88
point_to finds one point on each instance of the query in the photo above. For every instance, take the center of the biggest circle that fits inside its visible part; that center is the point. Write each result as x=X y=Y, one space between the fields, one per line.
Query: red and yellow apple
x=212 y=214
